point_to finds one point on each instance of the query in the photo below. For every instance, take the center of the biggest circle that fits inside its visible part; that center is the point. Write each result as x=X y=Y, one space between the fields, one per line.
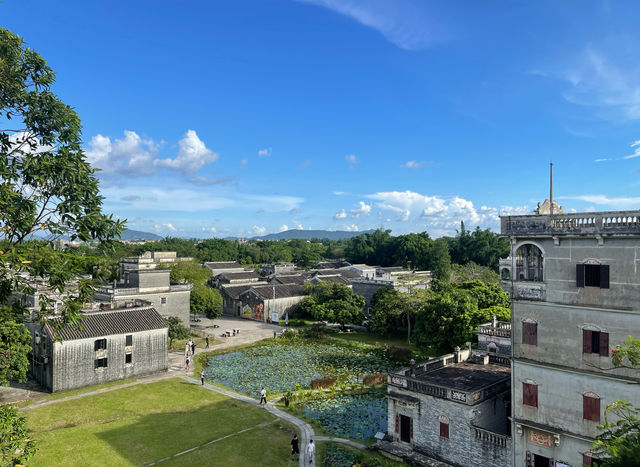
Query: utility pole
x=551 y=188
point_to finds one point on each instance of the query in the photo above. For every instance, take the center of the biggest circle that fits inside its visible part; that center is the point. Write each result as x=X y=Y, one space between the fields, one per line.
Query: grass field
x=146 y=422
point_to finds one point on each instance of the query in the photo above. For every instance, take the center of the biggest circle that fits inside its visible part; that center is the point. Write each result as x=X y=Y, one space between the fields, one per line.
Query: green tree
x=487 y=295
x=387 y=306
x=440 y=260
x=16 y=444
x=445 y=320
x=332 y=302
x=205 y=300
x=188 y=272
x=14 y=346
x=176 y=329
x=619 y=442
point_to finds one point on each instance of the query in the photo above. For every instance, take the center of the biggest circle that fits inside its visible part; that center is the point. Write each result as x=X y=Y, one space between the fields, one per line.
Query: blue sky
x=242 y=117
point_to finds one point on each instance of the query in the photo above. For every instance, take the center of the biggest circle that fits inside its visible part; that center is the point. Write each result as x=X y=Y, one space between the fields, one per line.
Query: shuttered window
x=127 y=358
x=100 y=344
x=101 y=363
x=444 y=430
x=592 y=275
x=590 y=407
x=530 y=333
x=530 y=394
x=129 y=340
x=595 y=342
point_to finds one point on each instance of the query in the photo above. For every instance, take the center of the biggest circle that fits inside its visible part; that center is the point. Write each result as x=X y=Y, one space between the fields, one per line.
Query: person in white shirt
x=311 y=449
x=263 y=396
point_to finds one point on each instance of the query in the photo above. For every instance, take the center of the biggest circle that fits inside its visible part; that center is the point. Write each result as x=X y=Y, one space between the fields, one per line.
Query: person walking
x=187 y=349
x=206 y=339
x=294 y=447
x=186 y=361
x=263 y=395
x=311 y=450
x=193 y=348
x=202 y=376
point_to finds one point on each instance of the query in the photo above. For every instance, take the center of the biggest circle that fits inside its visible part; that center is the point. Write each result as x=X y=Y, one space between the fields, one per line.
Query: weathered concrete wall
x=559 y=266
x=176 y=302
x=560 y=398
x=368 y=289
x=560 y=334
x=74 y=361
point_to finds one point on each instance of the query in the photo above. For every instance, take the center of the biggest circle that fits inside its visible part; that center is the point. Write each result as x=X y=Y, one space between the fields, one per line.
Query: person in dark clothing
x=202 y=376
x=193 y=348
x=294 y=446
x=206 y=339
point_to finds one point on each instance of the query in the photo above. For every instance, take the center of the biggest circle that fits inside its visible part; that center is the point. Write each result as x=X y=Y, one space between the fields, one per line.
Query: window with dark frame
x=591 y=407
x=595 y=342
x=592 y=275
x=444 y=430
x=100 y=344
x=129 y=340
x=163 y=300
x=530 y=394
x=530 y=333
x=127 y=358
x=101 y=362
x=590 y=461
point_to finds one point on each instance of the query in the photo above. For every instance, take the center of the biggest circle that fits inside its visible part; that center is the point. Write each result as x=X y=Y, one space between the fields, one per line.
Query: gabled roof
x=232 y=276
x=266 y=292
x=107 y=323
x=223 y=265
x=234 y=291
x=332 y=278
x=331 y=264
x=299 y=279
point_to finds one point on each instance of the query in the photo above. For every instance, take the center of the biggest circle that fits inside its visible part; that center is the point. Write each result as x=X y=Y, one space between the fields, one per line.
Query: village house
x=280 y=268
x=237 y=278
x=112 y=344
x=152 y=285
x=220 y=267
x=455 y=408
x=270 y=303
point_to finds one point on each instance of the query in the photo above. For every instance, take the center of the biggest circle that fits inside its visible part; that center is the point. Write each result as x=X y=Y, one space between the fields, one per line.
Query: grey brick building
x=111 y=345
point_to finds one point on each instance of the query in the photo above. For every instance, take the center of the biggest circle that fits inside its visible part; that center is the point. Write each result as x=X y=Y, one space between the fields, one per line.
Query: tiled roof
x=331 y=264
x=332 y=278
x=107 y=323
x=232 y=276
x=347 y=273
x=234 y=290
x=223 y=265
x=299 y=279
x=281 y=290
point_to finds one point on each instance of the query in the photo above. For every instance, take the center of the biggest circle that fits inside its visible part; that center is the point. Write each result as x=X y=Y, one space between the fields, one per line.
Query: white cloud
x=341 y=214
x=363 y=209
x=244 y=162
x=442 y=216
x=264 y=152
x=352 y=160
x=131 y=156
x=515 y=210
x=606 y=82
x=192 y=155
x=619 y=202
x=202 y=180
x=405 y=24
x=209 y=229
x=165 y=227
x=412 y=164
x=283 y=228
x=636 y=151
x=259 y=230
x=352 y=228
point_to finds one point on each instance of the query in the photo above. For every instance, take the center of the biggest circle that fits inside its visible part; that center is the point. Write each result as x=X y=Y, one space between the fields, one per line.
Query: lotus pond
x=287 y=365
x=356 y=416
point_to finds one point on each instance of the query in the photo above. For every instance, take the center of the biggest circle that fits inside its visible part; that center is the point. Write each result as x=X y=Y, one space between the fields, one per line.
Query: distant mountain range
x=311 y=234
x=130 y=235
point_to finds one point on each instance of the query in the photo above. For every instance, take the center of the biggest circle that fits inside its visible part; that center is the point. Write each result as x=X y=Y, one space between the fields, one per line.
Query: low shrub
x=326 y=382
x=315 y=331
x=400 y=353
x=374 y=378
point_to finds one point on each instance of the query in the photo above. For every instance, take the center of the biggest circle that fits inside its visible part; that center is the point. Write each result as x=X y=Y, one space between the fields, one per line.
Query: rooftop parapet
x=586 y=223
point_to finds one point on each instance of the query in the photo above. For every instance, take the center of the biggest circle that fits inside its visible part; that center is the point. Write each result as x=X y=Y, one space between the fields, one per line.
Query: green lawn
x=73 y=392
x=178 y=344
x=146 y=422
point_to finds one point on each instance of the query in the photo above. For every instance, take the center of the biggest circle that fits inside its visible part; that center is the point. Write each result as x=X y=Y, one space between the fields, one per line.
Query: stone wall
x=73 y=362
x=463 y=447
x=367 y=289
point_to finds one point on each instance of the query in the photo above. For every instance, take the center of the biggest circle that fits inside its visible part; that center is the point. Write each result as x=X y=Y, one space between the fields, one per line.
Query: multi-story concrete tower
x=574 y=280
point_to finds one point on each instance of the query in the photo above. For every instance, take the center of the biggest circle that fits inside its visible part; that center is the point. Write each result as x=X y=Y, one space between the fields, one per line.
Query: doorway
x=405 y=429
x=541 y=461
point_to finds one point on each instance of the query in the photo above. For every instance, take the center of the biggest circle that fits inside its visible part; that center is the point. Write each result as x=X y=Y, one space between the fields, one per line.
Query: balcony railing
x=491 y=437
x=502 y=330
x=611 y=222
